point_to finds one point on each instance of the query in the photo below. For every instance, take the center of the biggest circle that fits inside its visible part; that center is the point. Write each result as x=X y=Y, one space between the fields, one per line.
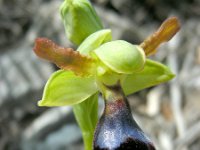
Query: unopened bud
x=80 y=19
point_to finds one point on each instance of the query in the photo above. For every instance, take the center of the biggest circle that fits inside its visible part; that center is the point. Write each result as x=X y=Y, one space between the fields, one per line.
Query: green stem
x=86 y=114
x=86 y=129
x=88 y=140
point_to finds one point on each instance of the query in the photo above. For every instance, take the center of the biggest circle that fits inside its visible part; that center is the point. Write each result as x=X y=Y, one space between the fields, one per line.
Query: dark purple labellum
x=117 y=130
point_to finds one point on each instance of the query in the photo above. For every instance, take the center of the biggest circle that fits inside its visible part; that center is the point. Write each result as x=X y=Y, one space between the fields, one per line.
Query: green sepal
x=80 y=19
x=86 y=114
x=153 y=73
x=94 y=41
x=121 y=56
x=65 y=88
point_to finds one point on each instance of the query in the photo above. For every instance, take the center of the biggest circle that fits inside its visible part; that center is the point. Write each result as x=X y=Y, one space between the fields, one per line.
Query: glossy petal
x=65 y=88
x=64 y=58
x=94 y=41
x=121 y=56
x=153 y=73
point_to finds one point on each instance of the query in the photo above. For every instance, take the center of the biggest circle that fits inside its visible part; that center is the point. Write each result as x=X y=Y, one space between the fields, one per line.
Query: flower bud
x=80 y=19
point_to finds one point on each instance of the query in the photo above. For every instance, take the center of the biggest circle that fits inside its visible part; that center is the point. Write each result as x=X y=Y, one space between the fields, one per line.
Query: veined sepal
x=154 y=73
x=65 y=88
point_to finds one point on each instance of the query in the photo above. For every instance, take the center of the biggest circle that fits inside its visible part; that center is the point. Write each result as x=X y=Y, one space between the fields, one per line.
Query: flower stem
x=87 y=119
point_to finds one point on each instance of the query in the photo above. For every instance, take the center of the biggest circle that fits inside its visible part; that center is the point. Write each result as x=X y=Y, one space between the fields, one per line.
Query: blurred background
x=168 y=113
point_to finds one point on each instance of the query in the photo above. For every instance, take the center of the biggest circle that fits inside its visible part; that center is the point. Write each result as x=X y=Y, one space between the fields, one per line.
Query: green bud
x=80 y=19
x=121 y=56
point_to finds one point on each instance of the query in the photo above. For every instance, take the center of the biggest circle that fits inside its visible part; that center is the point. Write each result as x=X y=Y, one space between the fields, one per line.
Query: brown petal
x=166 y=31
x=64 y=58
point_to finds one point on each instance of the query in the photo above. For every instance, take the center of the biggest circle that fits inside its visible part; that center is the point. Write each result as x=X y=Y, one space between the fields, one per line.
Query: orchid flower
x=98 y=63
